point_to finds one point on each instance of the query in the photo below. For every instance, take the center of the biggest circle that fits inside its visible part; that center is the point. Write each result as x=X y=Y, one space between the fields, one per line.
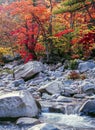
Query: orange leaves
x=31 y=21
x=25 y=8
x=28 y=17
x=74 y=41
x=39 y=47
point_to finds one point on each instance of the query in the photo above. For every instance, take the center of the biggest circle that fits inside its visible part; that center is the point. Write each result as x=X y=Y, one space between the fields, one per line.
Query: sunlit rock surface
x=52 y=87
x=28 y=70
x=17 y=104
x=43 y=126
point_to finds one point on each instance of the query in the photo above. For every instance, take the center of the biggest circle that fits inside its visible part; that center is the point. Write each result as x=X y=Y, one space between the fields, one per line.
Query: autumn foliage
x=31 y=21
x=37 y=30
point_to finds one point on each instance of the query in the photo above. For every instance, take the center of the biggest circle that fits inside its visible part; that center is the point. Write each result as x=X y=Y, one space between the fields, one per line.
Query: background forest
x=49 y=30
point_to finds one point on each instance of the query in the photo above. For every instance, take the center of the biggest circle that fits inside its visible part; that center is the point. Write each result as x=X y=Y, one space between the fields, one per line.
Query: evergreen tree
x=72 y=6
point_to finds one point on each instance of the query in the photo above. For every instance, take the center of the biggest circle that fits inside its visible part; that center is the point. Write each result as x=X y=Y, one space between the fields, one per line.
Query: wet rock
x=43 y=126
x=70 y=109
x=52 y=87
x=27 y=121
x=86 y=66
x=88 y=108
x=28 y=70
x=79 y=96
x=57 y=109
x=64 y=99
x=17 y=104
x=88 y=87
x=9 y=126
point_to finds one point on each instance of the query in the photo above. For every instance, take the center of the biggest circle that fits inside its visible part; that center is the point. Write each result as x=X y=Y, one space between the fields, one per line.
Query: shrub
x=74 y=75
x=4 y=51
x=72 y=64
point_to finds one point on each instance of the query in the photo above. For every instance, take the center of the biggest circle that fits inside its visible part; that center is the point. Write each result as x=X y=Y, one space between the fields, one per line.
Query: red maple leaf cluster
x=63 y=32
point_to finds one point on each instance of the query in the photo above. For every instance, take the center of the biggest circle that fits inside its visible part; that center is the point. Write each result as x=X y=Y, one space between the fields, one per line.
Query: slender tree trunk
x=50 y=47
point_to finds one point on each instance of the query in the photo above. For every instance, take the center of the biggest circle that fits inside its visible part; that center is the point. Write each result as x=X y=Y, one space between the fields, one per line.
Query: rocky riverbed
x=47 y=97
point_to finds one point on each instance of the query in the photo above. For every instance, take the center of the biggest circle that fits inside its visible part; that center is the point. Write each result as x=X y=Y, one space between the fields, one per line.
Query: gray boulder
x=88 y=87
x=17 y=104
x=52 y=87
x=88 y=108
x=28 y=70
x=86 y=66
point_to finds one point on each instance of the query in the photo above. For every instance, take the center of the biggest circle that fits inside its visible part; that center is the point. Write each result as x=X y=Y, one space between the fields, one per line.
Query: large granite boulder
x=88 y=108
x=52 y=87
x=17 y=104
x=28 y=70
x=86 y=66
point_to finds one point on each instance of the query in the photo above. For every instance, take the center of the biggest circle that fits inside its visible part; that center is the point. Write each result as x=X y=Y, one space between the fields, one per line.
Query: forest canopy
x=48 y=29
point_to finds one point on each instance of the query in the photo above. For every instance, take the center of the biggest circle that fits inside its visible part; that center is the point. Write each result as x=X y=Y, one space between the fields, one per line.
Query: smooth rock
x=88 y=87
x=52 y=87
x=27 y=121
x=88 y=108
x=17 y=104
x=80 y=95
x=43 y=126
x=64 y=99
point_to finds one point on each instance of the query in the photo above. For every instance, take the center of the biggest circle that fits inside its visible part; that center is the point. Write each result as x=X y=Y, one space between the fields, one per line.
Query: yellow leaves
x=4 y=50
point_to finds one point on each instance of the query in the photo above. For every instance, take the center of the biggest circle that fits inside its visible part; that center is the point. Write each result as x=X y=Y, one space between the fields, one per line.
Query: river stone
x=17 y=104
x=27 y=121
x=28 y=70
x=52 y=87
x=9 y=126
x=88 y=108
x=57 y=109
x=86 y=66
x=64 y=99
x=43 y=126
x=68 y=92
x=16 y=83
x=88 y=88
x=79 y=95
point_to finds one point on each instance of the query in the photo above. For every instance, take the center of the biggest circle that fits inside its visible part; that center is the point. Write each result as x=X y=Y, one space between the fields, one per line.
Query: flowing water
x=72 y=121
